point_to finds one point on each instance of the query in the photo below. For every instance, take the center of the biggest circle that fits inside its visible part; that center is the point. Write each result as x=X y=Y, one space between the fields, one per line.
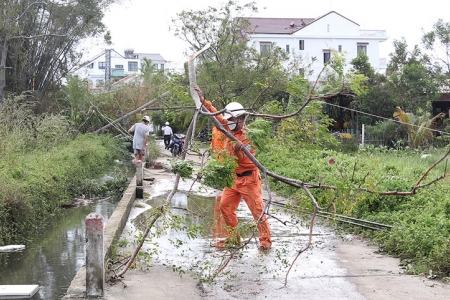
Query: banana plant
x=419 y=127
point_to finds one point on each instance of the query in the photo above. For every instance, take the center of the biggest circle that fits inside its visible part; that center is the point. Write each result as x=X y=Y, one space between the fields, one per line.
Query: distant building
x=110 y=66
x=317 y=37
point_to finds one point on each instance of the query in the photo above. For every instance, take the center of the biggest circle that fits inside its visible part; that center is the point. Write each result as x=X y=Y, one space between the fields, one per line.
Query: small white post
x=95 y=274
x=362 y=136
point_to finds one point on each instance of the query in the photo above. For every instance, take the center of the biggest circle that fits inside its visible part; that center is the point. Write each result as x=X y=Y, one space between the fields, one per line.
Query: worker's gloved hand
x=238 y=146
x=199 y=92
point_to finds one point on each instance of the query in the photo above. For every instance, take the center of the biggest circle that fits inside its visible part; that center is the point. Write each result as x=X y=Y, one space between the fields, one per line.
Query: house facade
x=111 y=66
x=317 y=38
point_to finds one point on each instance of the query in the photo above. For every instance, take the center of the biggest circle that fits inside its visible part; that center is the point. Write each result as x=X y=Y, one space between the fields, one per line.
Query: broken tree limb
x=131 y=113
x=159 y=211
x=192 y=75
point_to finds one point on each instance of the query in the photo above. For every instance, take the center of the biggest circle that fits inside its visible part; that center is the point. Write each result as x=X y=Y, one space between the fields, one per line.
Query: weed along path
x=177 y=264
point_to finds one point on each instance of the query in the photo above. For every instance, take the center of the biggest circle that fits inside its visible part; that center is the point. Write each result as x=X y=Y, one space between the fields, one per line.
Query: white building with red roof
x=316 y=38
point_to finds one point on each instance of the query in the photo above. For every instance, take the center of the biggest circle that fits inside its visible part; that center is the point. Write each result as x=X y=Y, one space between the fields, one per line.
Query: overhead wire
x=380 y=117
x=341 y=218
x=109 y=120
x=351 y=220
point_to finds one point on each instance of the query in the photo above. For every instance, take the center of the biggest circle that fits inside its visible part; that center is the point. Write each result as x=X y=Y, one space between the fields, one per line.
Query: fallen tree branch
x=159 y=212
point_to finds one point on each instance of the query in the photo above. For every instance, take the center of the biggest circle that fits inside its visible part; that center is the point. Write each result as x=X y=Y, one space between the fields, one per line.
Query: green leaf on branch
x=182 y=167
x=219 y=173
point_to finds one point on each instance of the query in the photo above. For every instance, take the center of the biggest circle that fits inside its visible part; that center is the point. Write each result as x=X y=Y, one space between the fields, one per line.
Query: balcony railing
x=378 y=33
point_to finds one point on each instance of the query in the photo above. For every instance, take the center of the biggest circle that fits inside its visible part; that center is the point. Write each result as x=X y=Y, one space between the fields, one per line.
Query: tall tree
x=231 y=69
x=38 y=40
x=378 y=101
x=411 y=78
x=361 y=64
x=438 y=41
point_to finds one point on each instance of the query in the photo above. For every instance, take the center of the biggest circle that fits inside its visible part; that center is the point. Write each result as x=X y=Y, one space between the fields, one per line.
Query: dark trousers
x=166 y=141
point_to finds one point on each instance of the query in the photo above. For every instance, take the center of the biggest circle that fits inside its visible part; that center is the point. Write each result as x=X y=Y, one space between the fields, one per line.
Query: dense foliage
x=44 y=166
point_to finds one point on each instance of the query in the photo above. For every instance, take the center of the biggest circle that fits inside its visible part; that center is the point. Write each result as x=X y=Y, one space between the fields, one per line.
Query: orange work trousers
x=219 y=227
x=248 y=188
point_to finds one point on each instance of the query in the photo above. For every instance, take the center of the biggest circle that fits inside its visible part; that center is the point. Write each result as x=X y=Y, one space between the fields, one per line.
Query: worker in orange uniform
x=247 y=184
x=219 y=227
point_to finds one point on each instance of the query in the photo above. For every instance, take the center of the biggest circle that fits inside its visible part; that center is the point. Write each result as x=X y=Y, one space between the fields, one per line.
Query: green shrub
x=421 y=221
x=349 y=145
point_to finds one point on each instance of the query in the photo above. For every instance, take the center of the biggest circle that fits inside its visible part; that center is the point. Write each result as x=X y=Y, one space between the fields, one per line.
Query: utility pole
x=108 y=69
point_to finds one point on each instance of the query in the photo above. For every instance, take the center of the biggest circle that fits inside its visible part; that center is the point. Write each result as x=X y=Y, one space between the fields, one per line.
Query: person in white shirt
x=167 y=132
x=140 y=133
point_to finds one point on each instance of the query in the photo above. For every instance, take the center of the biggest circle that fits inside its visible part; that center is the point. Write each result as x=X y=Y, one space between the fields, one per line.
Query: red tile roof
x=282 y=25
x=277 y=25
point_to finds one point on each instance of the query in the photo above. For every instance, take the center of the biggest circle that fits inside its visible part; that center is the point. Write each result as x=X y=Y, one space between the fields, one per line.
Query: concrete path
x=335 y=267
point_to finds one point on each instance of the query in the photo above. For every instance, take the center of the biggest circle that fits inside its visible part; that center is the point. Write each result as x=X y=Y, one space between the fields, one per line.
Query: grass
x=421 y=222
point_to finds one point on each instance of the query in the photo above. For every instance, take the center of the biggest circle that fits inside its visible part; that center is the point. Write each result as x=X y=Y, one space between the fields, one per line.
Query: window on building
x=340 y=48
x=326 y=56
x=102 y=65
x=155 y=66
x=132 y=66
x=162 y=67
x=328 y=27
x=264 y=47
x=287 y=48
x=361 y=48
x=118 y=66
x=301 y=44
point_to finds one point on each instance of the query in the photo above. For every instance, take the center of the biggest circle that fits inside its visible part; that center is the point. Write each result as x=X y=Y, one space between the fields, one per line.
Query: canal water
x=52 y=259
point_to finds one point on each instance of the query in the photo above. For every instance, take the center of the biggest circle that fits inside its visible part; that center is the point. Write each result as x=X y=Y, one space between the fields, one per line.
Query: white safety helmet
x=146 y=118
x=234 y=109
x=167 y=123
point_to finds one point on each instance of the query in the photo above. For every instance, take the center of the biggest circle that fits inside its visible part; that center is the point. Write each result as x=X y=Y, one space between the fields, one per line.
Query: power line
x=339 y=218
x=383 y=118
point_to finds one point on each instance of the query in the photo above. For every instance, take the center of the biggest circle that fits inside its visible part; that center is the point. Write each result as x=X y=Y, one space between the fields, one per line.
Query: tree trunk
x=4 y=52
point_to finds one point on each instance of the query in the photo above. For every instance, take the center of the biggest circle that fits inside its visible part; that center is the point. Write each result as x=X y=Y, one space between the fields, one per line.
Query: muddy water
x=52 y=259
x=251 y=274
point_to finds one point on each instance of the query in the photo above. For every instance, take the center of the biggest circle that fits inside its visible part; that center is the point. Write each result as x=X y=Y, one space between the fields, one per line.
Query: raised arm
x=209 y=105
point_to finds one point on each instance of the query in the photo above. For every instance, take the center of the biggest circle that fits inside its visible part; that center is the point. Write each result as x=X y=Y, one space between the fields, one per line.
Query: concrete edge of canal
x=112 y=232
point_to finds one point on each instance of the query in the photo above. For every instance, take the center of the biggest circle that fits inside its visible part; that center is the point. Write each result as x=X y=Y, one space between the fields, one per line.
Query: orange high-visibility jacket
x=244 y=163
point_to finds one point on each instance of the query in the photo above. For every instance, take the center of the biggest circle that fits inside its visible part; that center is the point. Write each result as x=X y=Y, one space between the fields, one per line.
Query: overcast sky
x=144 y=25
